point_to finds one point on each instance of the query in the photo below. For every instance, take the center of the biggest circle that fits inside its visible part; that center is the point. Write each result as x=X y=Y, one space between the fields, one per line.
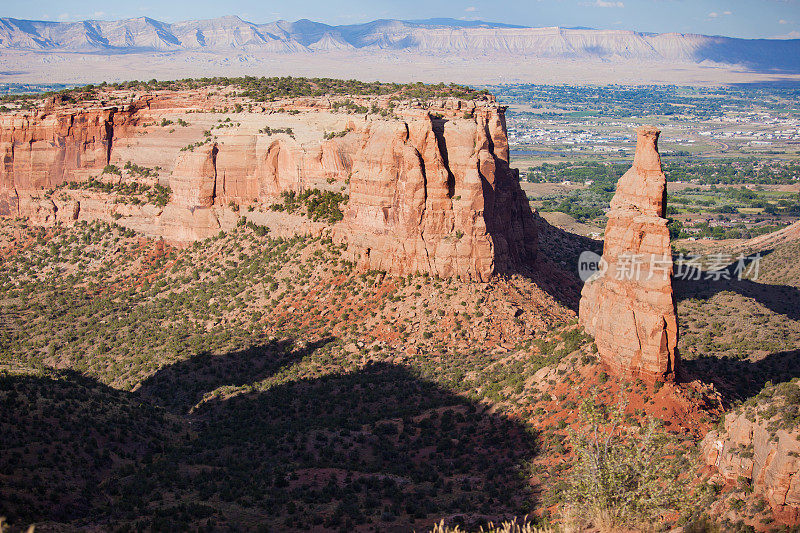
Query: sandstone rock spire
x=629 y=305
x=438 y=196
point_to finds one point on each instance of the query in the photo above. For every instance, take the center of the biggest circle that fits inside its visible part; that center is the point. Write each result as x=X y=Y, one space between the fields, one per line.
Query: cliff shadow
x=377 y=447
x=62 y=436
x=555 y=269
x=778 y=83
x=762 y=55
x=781 y=299
x=737 y=379
x=180 y=386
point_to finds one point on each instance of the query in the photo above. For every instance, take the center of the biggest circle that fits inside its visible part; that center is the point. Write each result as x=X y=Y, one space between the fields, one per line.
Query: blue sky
x=738 y=18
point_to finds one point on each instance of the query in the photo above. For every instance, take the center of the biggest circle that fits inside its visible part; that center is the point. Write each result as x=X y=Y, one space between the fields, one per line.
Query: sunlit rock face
x=430 y=186
x=438 y=196
x=629 y=306
x=771 y=464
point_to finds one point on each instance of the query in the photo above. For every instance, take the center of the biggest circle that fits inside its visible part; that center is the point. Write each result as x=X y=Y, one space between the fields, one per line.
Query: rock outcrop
x=430 y=186
x=44 y=151
x=770 y=460
x=191 y=215
x=629 y=306
x=438 y=196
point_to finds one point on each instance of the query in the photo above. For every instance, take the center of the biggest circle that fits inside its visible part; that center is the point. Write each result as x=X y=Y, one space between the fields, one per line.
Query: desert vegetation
x=261 y=382
x=263 y=89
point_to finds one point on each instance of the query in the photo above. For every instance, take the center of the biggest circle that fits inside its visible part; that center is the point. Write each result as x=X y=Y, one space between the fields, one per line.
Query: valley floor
x=252 y=383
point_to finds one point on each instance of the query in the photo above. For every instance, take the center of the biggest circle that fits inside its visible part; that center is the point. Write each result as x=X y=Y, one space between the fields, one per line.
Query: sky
x=735 y=18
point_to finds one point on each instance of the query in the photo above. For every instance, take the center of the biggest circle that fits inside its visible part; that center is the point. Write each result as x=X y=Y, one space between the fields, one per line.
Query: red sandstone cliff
x=630 y=308
x=770 y=460
x=431 y=191
x=43 y=151
x=438 y=196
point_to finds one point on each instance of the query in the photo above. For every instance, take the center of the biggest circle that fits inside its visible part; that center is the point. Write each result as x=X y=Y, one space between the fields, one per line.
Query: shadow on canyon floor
x=738 y=379
x=781 y=299
x=374 y=445
x=182 y=385
x=556 y=268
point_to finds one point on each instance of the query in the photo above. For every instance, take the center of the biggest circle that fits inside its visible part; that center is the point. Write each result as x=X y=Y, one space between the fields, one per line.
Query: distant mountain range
x=430 y=37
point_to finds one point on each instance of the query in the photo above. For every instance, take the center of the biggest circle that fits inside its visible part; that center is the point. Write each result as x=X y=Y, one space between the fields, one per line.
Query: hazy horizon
x=738 y=18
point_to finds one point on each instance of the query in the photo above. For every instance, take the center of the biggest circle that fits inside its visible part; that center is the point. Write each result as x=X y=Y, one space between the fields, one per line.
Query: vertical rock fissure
x=441 y=142
x=16 y=194
x=214 y=151
x=109 y=127
x=424 y=209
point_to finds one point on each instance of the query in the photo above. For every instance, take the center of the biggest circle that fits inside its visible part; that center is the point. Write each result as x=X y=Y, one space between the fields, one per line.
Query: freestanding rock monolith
x=629 y=306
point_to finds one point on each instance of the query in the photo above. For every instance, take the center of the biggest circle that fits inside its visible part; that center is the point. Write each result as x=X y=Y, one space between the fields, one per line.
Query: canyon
x=385 y=181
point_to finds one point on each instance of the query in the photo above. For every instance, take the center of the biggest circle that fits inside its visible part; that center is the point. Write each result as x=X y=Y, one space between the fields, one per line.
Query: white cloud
x=603 y=3
x=714 y=14
x=99 y=14
x=790 y=35
x=63 y=17
x=783 y=21
x=471 y=9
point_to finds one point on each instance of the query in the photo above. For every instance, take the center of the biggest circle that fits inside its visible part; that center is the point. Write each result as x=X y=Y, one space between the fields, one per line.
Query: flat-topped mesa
x=429 y=183
x=629 y=306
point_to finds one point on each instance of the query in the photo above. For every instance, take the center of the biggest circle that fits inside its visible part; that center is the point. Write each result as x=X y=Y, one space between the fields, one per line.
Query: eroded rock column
x=629 y=306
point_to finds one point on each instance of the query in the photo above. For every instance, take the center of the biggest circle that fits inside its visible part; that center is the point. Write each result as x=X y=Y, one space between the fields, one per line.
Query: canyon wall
x=438 y=196
x=769 y=460
x=43 y=151
x=629 y=306
x=430 y=186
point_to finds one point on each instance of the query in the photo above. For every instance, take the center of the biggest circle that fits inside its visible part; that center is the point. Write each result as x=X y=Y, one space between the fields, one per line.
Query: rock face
x=47 y=150
x=430 y=187
x=629 y=306
x=438 y=196
x=190 y=215
x=194 y=180
x=770 y=461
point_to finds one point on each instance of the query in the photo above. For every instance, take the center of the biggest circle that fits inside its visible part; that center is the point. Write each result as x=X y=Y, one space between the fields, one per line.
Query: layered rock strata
x=438 y=196
x=769 y=460
x=430 y=189
x=629 y=306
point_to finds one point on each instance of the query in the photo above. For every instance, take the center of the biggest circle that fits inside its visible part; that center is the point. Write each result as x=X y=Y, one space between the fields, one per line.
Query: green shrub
x=621 y=478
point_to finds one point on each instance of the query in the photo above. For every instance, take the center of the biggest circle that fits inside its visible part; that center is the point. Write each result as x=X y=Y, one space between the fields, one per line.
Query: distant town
x=730 y=154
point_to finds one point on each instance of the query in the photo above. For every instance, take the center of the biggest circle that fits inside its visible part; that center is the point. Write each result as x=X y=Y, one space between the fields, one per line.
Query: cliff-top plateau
x=290 y=304
x=412 y=185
